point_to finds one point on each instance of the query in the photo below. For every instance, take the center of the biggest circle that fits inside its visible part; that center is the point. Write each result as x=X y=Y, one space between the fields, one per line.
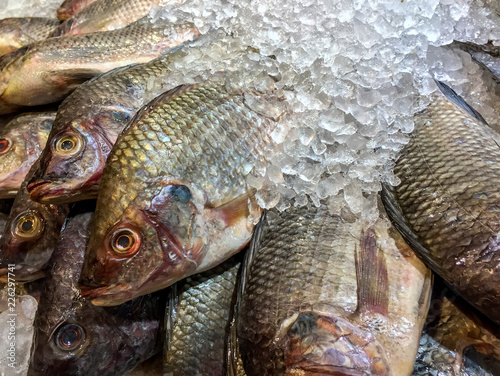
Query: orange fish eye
x=28 y=225
x=4 y=145
x=68 y=145
x=125 y=242
x=69 y=337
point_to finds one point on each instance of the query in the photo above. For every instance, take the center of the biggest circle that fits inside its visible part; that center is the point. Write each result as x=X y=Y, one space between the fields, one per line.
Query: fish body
x=447 y=205
x=199 y=313
x=173 y=198
x=74 y=337
x=71 y=7
x=105 y=15
x=30 y=235
x=18 y=32
x=456 y=339
x=21 y=143
x=91 y=119
x=47 y=71
x=323 y=295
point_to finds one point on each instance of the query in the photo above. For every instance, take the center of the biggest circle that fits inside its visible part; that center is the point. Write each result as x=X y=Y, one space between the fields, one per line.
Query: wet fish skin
x=199 y=313
x=105 y=15
x=31 y=247
x=456 y=339
x=113 y=340
x=21 y=143
x=93 y=116
x=47 y=71
x=446 y=206
x=312 y=301
x=189 y=208
x=18 y=32
x=71 y=7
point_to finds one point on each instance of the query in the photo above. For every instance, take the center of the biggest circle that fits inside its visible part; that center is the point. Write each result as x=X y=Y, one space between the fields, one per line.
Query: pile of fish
x=126 y=211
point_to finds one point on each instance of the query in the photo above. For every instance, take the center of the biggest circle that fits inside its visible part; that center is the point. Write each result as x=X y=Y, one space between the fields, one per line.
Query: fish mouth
x=46 y=191
x=18 y=277
x=107 y=296
x=9 y=193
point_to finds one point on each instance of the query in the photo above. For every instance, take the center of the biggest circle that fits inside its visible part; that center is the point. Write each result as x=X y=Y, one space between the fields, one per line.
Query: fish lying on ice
x=447 y=206
x=47 y=71
x=326 y=295
x=21 y=143
x=185 y=206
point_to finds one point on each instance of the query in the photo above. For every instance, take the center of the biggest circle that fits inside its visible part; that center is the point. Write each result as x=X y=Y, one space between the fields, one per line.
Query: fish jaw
x=331 y=345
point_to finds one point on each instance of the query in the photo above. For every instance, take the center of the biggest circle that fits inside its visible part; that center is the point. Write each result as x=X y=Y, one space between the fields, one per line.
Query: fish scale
x=449 y=196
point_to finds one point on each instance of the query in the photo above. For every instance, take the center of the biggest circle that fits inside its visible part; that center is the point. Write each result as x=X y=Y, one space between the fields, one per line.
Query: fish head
x=21 y=142
x=9 y=65
x=87 y=340
x=11 y=34
x=72 y=163
x=147 y=249
x=324 y=344
x=29 y=239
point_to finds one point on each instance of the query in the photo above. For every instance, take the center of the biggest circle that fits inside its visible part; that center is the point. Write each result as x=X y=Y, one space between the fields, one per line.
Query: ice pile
x=29 y=8
x=354 y=73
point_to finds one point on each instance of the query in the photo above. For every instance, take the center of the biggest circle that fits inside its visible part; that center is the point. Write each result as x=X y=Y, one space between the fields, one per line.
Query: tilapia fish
x=47 y=71
x=30 y=235
x=74 y=337
x=447 y=205
x=21 y=143
x=456 y=340
x=18 y=32
x=199 y=312
x=327 y=295
x=105 y=15
x=86 y=128
x=173 y=199
x=71 y=7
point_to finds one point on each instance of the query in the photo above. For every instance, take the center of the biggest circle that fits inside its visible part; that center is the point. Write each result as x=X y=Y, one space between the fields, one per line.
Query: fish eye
x=69 y=337
x=180 y=193
x=4 y=145
x=125 y=242
x=68 y=145
x=28 y=225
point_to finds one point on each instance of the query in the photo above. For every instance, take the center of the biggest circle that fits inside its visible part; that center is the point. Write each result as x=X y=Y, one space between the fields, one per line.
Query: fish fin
x=232 y=211
x=233 y=356
x=424 y=301
x=371 y=275
x=449 y=93
x=398 y=220
x=71 y=78
x=170 y=315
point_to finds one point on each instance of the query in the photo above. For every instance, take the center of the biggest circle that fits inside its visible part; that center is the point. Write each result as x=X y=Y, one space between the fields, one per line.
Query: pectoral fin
x=70 y=78
x=371 y=275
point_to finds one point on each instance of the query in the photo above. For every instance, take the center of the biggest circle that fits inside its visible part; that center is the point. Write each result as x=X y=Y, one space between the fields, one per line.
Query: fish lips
x=106 y=296
x=55 y=192
x=24 y=274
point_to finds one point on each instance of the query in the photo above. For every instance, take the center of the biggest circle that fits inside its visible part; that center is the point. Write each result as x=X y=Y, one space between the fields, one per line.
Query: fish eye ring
x=125 y=242
x=5 y=145
x=68 y=144
x=28 y=225
x=69 y=337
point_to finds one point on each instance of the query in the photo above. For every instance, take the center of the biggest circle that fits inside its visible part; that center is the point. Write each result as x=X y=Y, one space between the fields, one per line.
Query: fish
x=329 y=294
x=21 y=143
x=185 y=206
x=30 y=235
x=456 y=339
x=71 y=7
x=199 y=313
x=74 y=337
x=447 y=205
x=93 y=116
x=48 y=71
x=19 y=32
x=105 y=15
